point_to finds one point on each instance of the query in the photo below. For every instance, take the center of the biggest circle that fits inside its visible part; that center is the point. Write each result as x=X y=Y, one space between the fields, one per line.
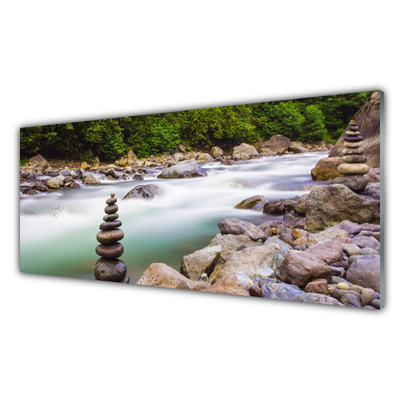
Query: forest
x=307 y=120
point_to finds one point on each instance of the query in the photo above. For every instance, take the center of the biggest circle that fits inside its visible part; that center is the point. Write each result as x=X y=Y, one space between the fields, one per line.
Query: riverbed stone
x=366 y=241
x=204 y=158
x=146 y=192
x=350 y=300
x=277 y=144
x=38 y=161
x=278 y=207
x=244 y=149
x=300 y=267
x=300 y=206
x=367 y=296
x=230 y=243
x=318 y=299
x=353 y=169
x=351 y=249
x=111 y=217
x=216 y=152
x=40 y=186
x=237 y=226
x=110 y=236
x=162 y=275
x=110 y=270
x=253 y=262
x=319 y=285
x=275 y=289
x=365 y=271
x=111 y=209
x=272 y=228
x=199 y=262
x=249 y=203
x=376 y=304
x=326 y=235
x=356 y=183
x=329 y=205
x=329 y=251
x=90 y=179
x=54 y=183
x=110 y=251
x=183 y=169
x=229 y=284
x=297 y=147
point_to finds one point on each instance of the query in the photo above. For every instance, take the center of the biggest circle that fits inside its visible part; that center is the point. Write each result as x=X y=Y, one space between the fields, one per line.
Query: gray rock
x=297 y=147
x=329 y=251
x=329 y=205
x=274 y=289
x=204 y=158
x=244 y=149
x=367 y=296
x=143 y=192
x=200 y=262
x=318 y=299
x=366 y=251
x=271 y=228
x=365 y=271
x=350 y=300
x=278 y=207
x=300 y=206
x=38 y=161
x=216 y=152
x=40 y=186
x=337 y=271
x=277 y=144
x=110 y=236
x=230 y=244
x=373 y=190
x=376 y=304
x=54 y=183
x=326 y=169
x=183 y=169
x=351 y=249
x=253 y=262
x=110 y=251
x=90 y=179
x=327 y=235
x=366 y=241
x=357 y=183
x=237 y=226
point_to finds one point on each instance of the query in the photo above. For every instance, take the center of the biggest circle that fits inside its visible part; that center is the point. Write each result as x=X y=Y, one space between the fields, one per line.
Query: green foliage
x=23 y=161
x=308 y=120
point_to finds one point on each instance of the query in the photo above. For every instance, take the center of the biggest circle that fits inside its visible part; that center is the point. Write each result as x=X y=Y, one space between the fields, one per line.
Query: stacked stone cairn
x=109 y=267
x=352 y=154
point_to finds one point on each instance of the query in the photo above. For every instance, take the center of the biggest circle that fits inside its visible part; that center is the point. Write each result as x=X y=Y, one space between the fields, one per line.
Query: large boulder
x=38 y=161
x=199 y=262
x=230 y=244
x=368 y=121
x=297 y=147
x=329 y=251
x=251 y=202
x=299 y=268
x=329 y=205
x=365 y=272
x=235 y=226
x=161 y=275
x=142 y=192
x=204 y=158
x=253 y=262
x=278 y=144
x=357 y=183
x=326 y=169
x=183 y=169
x=216 y=152
x=90 y=179
x=244 y=152
x=229 y=284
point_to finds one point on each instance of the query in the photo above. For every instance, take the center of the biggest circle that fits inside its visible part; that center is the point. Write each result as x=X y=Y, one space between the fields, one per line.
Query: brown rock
x=110 y=236
x=161 y=275
x=326 y=169
x=229 y=284
x=110 y=251
x=330 y=251
x=300 y=268
x=317 y=286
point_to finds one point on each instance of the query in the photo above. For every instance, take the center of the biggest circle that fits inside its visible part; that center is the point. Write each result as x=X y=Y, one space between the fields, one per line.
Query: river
x=58 y=229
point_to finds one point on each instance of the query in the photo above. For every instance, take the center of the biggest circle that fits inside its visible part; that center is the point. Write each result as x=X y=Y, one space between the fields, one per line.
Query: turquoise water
x=58 y=230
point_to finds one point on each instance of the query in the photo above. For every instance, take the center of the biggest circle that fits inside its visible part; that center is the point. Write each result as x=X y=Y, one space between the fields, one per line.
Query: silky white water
x=58 y=229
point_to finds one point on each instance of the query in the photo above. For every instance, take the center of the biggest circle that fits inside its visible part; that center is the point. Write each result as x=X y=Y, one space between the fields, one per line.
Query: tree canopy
x=307 y=120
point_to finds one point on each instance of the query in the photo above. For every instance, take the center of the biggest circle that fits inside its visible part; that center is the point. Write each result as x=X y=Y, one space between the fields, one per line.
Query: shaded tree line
x=307 y=120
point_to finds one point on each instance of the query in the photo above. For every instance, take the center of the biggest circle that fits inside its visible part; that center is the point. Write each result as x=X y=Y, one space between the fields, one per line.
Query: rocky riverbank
x=40 y=175
x=326 y=250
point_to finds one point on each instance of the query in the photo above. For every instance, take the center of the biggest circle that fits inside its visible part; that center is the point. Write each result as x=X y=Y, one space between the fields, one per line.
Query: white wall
x=70 y=339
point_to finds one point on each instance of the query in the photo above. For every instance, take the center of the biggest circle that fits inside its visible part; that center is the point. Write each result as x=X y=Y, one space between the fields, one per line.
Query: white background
x=68 y=339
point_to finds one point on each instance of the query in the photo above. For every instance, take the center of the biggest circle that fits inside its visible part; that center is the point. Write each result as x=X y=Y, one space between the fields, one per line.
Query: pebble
x=343 y=286
x=376 y=303
x=110 y=251
x=350 y=300
x=367 y=296
x=109 y=270
x=110 y=217
x=110 y=225
x=111 y=209
x=110 y=236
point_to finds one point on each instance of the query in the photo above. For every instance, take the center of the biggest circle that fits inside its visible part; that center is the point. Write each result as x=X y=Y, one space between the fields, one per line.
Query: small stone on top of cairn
x=109 y=267
x=352 y=154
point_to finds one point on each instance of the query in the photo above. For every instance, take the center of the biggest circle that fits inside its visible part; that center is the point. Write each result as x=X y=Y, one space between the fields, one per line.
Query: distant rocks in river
x=277 y=144
x=244 y=152
x=183 y=169
x=143 y=192
x=109 y=267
